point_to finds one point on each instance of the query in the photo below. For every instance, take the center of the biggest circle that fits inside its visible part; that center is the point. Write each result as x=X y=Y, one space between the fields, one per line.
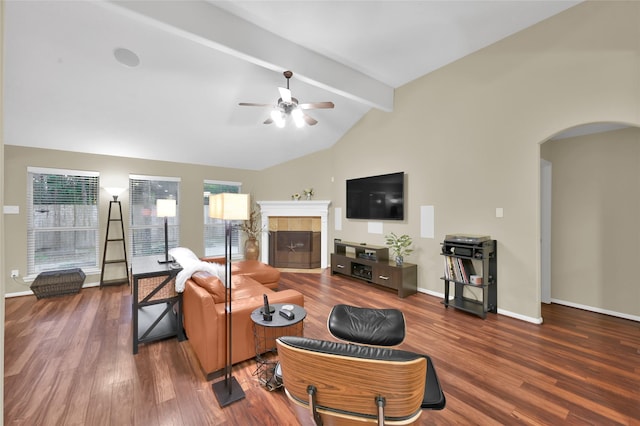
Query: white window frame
x=146 y=230
x=84 y=227
x=214 y=229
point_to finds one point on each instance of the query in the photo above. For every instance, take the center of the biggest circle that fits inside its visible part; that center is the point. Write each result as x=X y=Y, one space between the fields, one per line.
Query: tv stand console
x=371 y=264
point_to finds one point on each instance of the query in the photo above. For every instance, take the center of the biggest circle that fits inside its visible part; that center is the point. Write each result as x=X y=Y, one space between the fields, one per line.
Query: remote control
x=287 y=314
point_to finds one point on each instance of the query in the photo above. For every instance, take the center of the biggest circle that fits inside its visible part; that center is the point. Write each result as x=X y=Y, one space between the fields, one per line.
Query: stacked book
x=458 y=269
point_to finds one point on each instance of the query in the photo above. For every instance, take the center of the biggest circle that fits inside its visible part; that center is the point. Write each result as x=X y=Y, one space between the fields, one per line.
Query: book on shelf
x=458 y=269
x=449 y=270
x=468 y=269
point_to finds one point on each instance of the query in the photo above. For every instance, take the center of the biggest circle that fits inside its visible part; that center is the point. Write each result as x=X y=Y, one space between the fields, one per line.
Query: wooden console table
x=156 y=307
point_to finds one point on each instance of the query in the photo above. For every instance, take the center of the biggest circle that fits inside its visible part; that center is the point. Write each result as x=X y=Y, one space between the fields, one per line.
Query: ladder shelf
x=111 y=242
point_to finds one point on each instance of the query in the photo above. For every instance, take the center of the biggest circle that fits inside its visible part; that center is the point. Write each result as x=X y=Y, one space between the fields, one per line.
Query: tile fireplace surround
x=313 y=208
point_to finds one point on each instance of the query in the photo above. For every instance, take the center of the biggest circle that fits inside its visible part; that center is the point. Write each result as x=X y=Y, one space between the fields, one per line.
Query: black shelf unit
x=483 y=255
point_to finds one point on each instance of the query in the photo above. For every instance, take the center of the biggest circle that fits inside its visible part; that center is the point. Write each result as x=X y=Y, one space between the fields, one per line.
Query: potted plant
x=252 y=227
x=399 y=245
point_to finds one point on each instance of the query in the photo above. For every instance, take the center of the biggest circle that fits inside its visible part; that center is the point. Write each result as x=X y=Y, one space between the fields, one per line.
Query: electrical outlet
x=15 y=273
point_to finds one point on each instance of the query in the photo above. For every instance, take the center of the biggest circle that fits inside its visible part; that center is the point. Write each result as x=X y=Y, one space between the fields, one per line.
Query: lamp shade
x=166 y=208
x=229 y=206
x=114 y=191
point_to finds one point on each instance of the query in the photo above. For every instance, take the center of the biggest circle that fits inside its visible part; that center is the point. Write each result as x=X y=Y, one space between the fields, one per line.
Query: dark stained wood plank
x=69 y=361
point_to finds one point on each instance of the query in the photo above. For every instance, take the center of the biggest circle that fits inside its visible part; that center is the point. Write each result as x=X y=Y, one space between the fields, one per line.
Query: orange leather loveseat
x=203 y=310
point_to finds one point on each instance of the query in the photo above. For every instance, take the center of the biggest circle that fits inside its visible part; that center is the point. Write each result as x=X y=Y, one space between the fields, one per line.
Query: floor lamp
x=166 y=208
x=228 y=207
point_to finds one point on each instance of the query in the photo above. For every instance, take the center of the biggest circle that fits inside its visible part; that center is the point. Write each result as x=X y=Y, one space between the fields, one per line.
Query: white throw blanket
x=191 y=264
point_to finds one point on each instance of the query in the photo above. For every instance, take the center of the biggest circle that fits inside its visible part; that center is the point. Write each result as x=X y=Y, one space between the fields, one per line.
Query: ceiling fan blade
x=310 y=121
x=316 y=105
x=252 y=104
x=285 y=94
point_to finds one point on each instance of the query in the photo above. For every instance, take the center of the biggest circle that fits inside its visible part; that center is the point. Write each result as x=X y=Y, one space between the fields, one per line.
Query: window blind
x=146 y=230
x=214 y=229
x=62 y=219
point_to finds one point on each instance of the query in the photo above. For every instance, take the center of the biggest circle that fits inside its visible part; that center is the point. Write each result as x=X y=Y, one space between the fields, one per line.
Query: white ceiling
x=64 y=89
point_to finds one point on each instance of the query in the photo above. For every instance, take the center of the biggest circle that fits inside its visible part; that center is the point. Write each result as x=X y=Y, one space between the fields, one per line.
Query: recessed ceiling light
x=126 y=57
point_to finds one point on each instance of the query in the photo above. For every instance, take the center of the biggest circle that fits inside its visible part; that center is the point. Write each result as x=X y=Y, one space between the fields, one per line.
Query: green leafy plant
x=400 y=245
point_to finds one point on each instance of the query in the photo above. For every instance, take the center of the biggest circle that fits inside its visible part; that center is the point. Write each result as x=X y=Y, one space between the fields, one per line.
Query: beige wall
x=468 y=136
x=595 y=242
x=114 y=171
x=313 y=171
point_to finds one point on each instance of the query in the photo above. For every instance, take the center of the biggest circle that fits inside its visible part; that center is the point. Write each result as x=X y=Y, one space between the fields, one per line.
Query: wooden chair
x=347 y=384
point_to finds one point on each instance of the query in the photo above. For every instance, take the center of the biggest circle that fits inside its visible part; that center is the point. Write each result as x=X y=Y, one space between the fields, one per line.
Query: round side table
x=266 y=333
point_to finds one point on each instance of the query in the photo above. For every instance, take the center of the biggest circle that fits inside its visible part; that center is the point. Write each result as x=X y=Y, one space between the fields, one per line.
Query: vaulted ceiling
x=162 y=80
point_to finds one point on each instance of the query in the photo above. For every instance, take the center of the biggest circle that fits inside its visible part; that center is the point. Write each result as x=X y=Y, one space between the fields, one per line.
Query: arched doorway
x=585 y=216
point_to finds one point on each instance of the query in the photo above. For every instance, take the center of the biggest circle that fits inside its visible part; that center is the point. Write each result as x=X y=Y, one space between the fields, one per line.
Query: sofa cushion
x=257 y=270
x=244 y=287
x=211 y=283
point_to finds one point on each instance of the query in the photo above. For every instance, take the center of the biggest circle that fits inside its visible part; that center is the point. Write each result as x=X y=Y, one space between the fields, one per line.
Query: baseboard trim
x=500 y=311
x=558 y=301
x=597 y=310
x=30 y=293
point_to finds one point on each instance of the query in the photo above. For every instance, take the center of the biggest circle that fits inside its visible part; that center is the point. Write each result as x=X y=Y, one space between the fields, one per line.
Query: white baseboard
x=500 y=311
x=30 y=293
x=597 y=310
x=519 y=316
x=559 y=302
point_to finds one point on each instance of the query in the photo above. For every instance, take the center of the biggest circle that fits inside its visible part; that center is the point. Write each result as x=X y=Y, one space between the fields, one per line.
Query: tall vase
x=251 y=249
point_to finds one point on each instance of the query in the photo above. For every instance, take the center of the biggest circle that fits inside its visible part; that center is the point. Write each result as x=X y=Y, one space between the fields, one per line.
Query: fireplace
x=318 y=211
x=294 y=249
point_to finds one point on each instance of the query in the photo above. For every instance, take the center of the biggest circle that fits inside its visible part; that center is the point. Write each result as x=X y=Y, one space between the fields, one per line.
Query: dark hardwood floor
x=68 y=361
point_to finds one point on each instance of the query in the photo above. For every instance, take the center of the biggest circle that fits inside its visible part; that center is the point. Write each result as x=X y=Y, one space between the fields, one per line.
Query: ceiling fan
x=289 y=106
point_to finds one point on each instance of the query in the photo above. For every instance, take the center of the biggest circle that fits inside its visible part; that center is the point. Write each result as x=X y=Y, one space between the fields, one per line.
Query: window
x=146 y=230
x=214 y=228
x=62 y=222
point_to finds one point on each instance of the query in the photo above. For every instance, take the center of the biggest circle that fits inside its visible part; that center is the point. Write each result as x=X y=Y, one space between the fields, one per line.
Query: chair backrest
x=342 y=382
x=369 y=326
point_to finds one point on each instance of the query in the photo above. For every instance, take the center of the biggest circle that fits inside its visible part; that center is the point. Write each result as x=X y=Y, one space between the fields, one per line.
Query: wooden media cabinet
x=371 y=264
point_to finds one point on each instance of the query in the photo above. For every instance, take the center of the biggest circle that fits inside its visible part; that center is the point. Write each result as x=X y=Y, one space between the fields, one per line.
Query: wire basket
x=58 y=283
x=147 y=285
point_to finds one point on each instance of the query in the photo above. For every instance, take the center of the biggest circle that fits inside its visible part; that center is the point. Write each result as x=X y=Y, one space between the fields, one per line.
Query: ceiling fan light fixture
x=278 y=118
x=287 y=105
x=298 y=117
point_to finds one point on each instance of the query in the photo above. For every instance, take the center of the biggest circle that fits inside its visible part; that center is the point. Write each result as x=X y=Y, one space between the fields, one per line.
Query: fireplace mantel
x=314 y=208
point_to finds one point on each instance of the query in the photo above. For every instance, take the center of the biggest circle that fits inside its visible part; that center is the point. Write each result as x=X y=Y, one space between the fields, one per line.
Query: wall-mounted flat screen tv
x=376 y=197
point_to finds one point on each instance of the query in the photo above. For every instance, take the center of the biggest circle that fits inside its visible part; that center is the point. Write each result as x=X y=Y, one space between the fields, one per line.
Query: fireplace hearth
x=270 y=211
x=294 y=249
